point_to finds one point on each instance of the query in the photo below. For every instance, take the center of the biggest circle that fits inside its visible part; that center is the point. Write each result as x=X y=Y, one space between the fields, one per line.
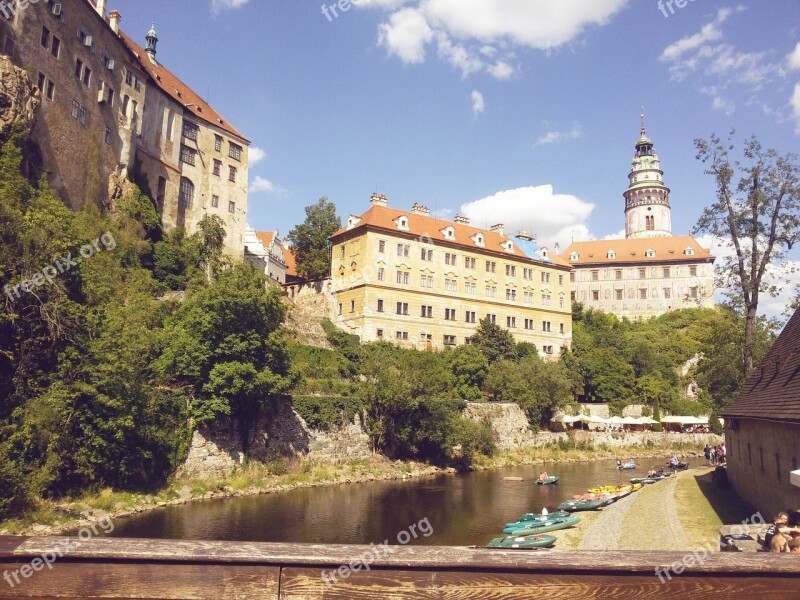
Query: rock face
x=309 y=303
x=19 y=99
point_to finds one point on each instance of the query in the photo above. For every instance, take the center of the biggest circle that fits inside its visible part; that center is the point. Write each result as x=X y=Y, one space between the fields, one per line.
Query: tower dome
x=647 y=210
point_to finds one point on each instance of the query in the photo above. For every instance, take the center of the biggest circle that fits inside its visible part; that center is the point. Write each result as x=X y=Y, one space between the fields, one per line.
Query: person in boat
x=543 y=476
x=781 y=520
x=619 y=464
x=652 y=472
x=673 y=462
x=660 y=472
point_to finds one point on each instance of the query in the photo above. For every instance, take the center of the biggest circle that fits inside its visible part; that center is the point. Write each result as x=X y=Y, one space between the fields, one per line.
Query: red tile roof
x=291 y=263
x=425 y=227
x=179 y=91
x=265 y=237
x=773 y=390
x=667 y=249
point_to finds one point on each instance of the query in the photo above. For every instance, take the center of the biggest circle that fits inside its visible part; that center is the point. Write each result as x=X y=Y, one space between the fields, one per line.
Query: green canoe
x=539 y=517
x=578 y=505
x=549 y=481
x=522 y=541
x=550 y=525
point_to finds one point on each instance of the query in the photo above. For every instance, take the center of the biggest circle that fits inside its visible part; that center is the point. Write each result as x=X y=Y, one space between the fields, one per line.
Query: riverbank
x=55 y=517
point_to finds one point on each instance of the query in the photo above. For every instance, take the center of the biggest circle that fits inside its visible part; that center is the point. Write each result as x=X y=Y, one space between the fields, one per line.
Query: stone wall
x=309 y=303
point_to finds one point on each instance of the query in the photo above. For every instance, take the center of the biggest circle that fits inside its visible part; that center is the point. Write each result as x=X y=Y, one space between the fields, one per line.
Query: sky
x=522 y=112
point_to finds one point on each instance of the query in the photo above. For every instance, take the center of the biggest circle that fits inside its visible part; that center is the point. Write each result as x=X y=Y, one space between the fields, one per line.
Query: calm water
x=462 y=509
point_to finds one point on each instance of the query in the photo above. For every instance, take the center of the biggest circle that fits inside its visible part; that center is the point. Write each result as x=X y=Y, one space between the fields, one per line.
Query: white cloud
x=468 y=32
x=259 y=184
x=709 y=33
x=219 y=5
x=255 y=155
x=620 y=235
x=552 y=217
x=796 y=108
x=794 y=59
x=724 y=105
x=478 y=103
x=552 y=137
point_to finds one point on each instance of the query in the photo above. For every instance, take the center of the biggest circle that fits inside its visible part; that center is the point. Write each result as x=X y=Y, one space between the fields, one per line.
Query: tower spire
x=643 y=130
x=152 y=41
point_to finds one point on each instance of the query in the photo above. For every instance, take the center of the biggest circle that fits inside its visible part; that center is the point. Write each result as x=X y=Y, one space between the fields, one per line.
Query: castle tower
x=647 y=210
x=152 y=41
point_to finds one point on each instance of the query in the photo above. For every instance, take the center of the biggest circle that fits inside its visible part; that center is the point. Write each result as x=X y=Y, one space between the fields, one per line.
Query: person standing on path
x=707 y=451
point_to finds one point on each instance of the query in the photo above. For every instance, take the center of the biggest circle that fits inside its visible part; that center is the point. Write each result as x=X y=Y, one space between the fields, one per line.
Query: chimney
x=286 y=243
x=557 y=248
x=377 y=200
x=114 y=18
x=461 y=219
x=419 y=209
x=101 y=8
x=497 y=229
x=524 y=235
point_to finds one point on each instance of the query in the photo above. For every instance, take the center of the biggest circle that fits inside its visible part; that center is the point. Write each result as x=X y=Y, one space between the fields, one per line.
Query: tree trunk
x=749 y=330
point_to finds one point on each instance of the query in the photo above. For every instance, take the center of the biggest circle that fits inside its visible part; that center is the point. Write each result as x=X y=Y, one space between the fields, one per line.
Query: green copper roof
x=152 y=33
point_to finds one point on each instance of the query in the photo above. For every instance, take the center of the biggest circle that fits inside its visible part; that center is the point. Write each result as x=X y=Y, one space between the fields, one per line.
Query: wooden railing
x=140 y=568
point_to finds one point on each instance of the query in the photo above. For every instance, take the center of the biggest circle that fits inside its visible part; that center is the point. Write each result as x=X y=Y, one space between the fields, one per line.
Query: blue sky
x=515 y=111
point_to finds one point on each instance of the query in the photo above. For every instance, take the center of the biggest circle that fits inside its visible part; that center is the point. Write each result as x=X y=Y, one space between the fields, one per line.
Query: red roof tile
x=773 y=390
x=634 y=250
x=265 y=237
x=291 y=263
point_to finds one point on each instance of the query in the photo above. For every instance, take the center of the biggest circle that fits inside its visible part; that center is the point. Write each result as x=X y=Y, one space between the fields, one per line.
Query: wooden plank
x=442 y=557
x=306 y=584
x=8 y=544
x=152 y=581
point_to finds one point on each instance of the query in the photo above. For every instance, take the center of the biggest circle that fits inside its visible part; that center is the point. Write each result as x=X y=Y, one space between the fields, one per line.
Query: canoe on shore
x=551 y=525
x=523 y=541
x=549 y=481
x=579 y=505
x=540 y=517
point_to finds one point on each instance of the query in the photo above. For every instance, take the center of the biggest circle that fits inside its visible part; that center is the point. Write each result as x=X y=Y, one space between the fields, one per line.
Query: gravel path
x=645 y=520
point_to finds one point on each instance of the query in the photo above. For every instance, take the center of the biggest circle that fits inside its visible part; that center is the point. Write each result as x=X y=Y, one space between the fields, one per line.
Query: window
x=595 y=295
x=137 y=84
x=381 y=274
x=560 y=328
x=642 y=273
x=402 y=308
x=380 y=333
x=529 y=324
x=380 y=305
x=545 y=277
x=449 y=340
x=595 y=275
x=572 y=277
x=45 y=38
x=186 y=193
x=450 y=259
x=665 y=272
x=527 y=274
x=469 y=262
x=470 y=316
x=491 y=291
x=110 y=97
x=693 y=271
x=618 y=294
x=650 y=223
x=76 y=107
x=352 y=306
x=217 y=142
x=546 y=326
x=215 y=201
x=217 y=167
x=108 y=136
x=643 y=294
x=234 y=151
x=50 y=91
x=401 y=335
x=108 y=61
x=450 y=285
x=231 y=206
x=547 y=349
x=187 y=155
x=426 y=312
x=491 y=266
x=511 y=271
x=382 y=246
x=511 y=322
x=470 y=288
x=492 y=319
x=449 y=314
x=693 y=292
x=87 y=76
x=128 y=77
x=426 y=254
x=85 y=38
x=190 y=131
x=426 y=281
x=546 y=299
x=340 y=309
x=78 y=68
x=511 y=294
x=54 y=49
x=403 y=250
x=667 y=293
x=341 y=252
x=618 y=274
x=527 y=297
x=403 y=277
x=232 y=174
x=561 y=302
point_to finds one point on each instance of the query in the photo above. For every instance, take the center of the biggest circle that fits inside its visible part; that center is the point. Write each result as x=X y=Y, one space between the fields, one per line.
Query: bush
x=326 y=412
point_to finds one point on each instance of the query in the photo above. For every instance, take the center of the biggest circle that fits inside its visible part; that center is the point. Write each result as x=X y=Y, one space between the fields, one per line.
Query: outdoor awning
x=647 y=421
x=631 y=421
x=590 y=419
x=615 y=421
x=564 y=419
x=686 y=420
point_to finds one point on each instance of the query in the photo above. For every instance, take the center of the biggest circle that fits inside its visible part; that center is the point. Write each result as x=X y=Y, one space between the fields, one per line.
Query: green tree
x=757 y=210
x=469 y=367
x=310 y=239
x=495 y=342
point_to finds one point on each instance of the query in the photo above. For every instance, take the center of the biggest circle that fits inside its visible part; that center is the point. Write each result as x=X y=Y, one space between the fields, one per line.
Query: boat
x=549 y=481
x=628 y=465
x=523 y=541
x=644 y=480
x=579 y=505
x=539 y=517
x=613 y=489
x=550 y=525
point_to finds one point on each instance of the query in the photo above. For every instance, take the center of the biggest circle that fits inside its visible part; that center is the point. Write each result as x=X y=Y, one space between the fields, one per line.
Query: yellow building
x=425 y=283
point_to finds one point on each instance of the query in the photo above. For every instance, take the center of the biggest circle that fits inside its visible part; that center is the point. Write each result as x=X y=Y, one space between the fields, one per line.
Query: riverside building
x=110 y=109
x=406 y=277
x=650 y=271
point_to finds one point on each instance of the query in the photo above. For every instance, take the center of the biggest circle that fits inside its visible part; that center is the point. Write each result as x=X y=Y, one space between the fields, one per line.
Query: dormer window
x=611 y=255
x=352 y=221
x=543 y=253
x=478 y=239
x=574 y=256
x=689 y=251
x=650 y=253
x=402 y=223
x=449 y=233
x=508 y=246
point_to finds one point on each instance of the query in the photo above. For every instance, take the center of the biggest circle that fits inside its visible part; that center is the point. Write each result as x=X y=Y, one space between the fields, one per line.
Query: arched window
x=650 y=223
x=186 y=196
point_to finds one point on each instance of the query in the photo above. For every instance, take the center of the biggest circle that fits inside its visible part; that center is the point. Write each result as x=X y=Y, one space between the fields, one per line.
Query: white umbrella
x=631 y=421
x=564 y=419
x=672 y=419
x=647 y=421
x=695 y=421
x=615 y=421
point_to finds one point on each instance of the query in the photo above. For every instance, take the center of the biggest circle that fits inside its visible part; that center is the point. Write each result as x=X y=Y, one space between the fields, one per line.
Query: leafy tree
x=310 y=239
x=469 y=367
x=495 y=342
x=757 y=211
x=609 y=379
x=211 y=234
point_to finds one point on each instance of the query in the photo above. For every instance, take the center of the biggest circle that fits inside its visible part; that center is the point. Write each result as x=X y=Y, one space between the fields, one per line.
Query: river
x=462 y=509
